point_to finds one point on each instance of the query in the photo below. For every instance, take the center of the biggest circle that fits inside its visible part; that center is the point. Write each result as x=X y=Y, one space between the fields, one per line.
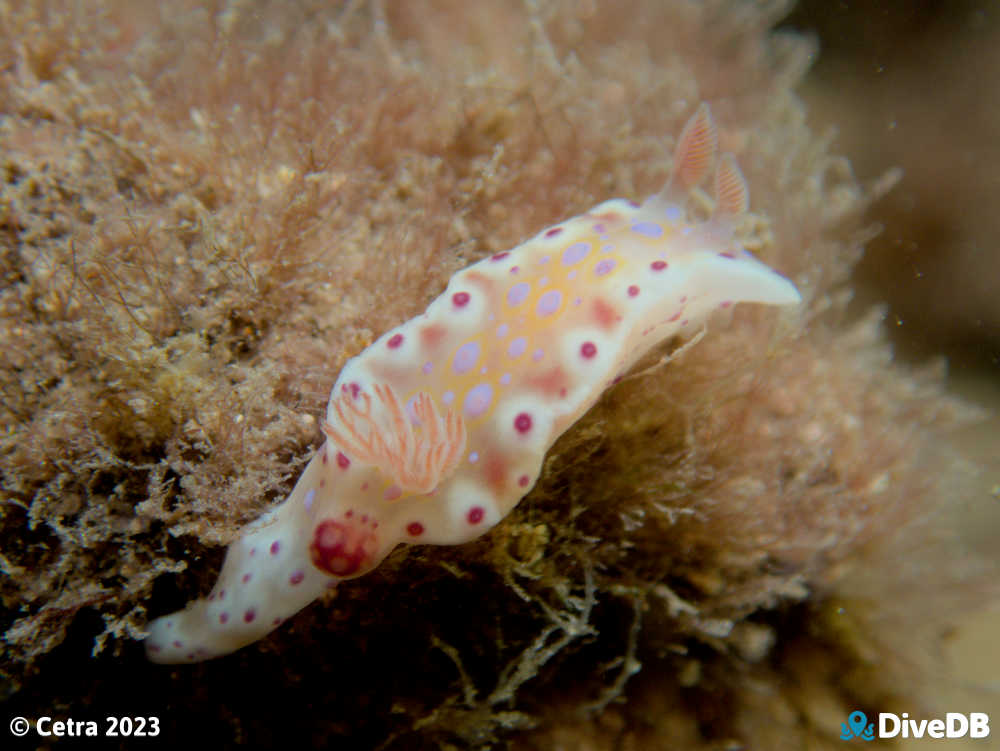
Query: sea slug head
x=710 y=249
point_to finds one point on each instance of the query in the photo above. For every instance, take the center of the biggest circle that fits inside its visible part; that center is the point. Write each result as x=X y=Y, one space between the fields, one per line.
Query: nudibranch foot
x=267 y=577
x=438 y=429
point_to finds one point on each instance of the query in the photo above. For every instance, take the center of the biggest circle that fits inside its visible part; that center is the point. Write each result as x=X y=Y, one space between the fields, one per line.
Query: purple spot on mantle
x=478 y=400
x=575 y=253
x=549 y=303
x=605 y=266
x=673 y=213
x=517 y=294
x=517 y=347
x=537 y=355
x=648 y=229
x=502 y=330
x=428 y=367
x=465 y=358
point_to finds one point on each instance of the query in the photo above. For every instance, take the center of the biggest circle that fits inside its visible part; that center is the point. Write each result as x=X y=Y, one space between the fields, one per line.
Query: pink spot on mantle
x=588 y=349
x=523 y=422
x=415 y=529
x=633 y=290
x=394 y=341
x=658 y=265
x=605 y=314
x=475 y=514
x=296 y=577
x=460 y=299
x=342 y=461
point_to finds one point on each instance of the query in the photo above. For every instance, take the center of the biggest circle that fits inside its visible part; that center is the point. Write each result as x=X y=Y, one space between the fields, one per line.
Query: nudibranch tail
x=267 y=576
x=439 y=428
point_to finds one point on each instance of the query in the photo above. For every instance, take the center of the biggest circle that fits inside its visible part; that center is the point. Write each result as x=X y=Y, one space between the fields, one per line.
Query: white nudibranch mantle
x=438 y=429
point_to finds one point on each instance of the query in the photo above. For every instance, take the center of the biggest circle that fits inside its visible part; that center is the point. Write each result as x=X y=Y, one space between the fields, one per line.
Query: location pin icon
x=857 y=721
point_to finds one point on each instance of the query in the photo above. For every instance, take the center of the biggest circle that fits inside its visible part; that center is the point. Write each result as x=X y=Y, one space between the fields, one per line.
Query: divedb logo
x=954 y=725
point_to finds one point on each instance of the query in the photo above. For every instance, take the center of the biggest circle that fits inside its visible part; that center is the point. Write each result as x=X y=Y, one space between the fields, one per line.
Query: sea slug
x=438 y=429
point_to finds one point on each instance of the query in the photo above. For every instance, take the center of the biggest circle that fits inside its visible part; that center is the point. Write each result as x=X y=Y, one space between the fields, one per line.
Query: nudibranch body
x=438 y=429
